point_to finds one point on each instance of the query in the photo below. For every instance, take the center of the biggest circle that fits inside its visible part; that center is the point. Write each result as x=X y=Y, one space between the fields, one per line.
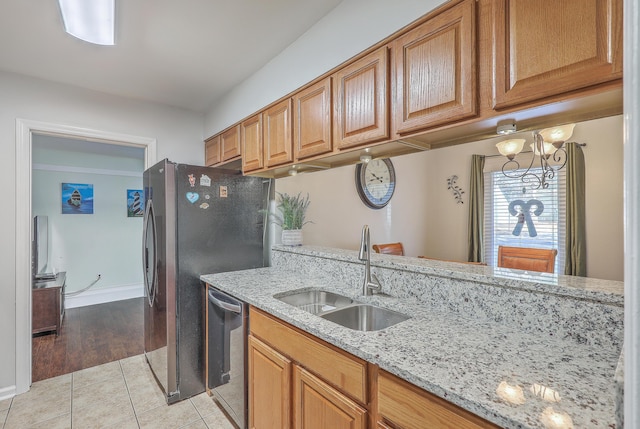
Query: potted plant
x=291 y=217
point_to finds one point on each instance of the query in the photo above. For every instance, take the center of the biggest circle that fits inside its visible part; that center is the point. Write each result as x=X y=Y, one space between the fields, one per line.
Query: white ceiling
x=184 y=53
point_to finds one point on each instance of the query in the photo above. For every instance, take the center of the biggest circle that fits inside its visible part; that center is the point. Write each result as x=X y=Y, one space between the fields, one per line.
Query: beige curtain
x=576 y=247
x=476 y=210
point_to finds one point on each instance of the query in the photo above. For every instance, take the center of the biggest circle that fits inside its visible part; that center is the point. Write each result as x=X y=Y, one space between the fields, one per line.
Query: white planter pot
x=292 y=237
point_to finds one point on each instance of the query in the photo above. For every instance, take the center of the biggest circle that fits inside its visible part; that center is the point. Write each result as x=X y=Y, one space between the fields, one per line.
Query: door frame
x=24 y=131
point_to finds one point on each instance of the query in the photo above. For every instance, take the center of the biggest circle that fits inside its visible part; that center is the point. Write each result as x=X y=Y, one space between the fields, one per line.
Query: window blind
x=524 y=228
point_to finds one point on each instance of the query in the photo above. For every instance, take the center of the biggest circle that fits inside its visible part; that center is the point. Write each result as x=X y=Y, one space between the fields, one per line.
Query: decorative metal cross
x=524 y=215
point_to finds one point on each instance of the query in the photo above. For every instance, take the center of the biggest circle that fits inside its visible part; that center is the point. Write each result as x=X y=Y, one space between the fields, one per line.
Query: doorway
x=91 y=246
x=25 y=130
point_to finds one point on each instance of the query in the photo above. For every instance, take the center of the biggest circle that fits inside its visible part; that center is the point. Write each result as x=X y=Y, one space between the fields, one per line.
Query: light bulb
x=541 y=147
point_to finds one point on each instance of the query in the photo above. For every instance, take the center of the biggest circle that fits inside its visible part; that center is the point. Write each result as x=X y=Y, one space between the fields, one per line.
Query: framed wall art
x=77 y=198
x=135 y=203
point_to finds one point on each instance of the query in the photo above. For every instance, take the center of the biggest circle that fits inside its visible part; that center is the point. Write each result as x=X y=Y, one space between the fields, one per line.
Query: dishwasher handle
x=234 y=308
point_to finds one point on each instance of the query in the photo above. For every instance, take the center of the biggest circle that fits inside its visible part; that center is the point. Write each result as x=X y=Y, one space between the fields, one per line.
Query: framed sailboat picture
x=77 y=198
x=135 y=203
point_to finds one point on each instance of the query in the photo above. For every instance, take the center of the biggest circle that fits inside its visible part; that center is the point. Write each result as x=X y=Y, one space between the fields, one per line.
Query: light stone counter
x=467 y=336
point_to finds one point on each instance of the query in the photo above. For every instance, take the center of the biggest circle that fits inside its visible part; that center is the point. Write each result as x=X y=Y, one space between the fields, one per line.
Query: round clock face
x=376 y=181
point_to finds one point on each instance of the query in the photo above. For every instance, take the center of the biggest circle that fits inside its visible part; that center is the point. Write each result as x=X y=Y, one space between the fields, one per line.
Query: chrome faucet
x=371 y=282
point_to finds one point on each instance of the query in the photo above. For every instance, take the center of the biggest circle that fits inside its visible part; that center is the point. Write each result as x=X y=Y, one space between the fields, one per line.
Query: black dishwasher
x=227 y=325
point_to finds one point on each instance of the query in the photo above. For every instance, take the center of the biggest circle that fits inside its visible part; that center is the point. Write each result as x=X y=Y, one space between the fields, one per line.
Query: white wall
x=178 y=133
x=350 y=28
x=106 y=242
x=424 y=215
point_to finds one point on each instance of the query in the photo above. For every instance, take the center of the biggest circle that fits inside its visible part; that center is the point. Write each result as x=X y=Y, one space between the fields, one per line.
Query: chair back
x=526 y=258
x=389 y=248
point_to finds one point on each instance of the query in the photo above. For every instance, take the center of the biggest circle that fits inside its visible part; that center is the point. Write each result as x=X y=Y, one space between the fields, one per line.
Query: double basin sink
x=343 y=310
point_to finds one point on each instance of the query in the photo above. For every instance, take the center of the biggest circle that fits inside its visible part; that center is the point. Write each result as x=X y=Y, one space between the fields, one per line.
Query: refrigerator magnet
x=192 y=180
x=205 y=180
x=193 y=197
x=204 y=206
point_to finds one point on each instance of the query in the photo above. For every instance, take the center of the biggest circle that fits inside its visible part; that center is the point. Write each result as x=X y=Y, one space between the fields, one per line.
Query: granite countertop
x=509 y=377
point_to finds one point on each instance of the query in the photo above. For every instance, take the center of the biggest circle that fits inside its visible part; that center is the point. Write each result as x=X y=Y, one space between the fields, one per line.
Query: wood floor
x=90 y=336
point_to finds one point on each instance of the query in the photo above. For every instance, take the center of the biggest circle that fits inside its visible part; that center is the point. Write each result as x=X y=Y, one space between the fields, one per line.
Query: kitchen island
x=519 y=350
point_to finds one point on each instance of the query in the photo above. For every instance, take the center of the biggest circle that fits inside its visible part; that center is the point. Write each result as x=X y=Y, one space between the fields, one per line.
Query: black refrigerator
x=197 y=220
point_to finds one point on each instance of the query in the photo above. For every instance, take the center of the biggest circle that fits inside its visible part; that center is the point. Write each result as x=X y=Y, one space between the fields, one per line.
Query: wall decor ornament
x=455 y=189
x=77 y=198
x=524 y=215
x=135 y=203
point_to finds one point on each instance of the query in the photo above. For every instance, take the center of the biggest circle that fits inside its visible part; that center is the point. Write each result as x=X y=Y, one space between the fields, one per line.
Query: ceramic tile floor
x=118 y=395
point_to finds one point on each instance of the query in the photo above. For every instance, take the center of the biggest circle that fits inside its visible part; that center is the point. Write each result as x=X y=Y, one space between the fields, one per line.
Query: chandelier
x=547 y=146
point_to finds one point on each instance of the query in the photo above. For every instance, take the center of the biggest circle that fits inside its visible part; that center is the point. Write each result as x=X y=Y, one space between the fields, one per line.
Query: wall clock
x=375 y=182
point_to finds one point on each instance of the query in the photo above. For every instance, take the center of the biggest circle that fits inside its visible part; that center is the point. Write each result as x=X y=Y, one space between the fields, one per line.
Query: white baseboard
x=7 y=392
x=101 y=296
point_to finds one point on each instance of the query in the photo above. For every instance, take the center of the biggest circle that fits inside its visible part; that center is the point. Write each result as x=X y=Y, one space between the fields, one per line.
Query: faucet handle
x=374 y=284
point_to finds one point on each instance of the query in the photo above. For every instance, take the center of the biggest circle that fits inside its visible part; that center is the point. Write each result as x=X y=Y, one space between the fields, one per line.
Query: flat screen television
x=40 y=261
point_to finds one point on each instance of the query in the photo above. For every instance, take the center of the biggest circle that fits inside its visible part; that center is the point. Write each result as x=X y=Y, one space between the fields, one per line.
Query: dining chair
x=527 y=258
x=389 y=248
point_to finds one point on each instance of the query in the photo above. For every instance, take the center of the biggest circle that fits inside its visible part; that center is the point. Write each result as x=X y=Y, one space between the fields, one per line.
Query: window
x=516 y=215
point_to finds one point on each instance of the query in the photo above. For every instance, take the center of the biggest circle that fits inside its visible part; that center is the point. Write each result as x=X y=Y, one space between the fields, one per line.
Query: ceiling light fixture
x=547 y=144
x=364 y=155
x=506 y=128
x=92 y=21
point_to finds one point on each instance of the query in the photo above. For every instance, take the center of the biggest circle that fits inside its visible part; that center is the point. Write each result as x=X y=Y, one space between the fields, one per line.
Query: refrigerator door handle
x=225 y=305
x=150 y=283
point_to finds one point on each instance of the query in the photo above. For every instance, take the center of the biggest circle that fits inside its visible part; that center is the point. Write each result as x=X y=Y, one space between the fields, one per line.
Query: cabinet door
x=318 y=406
x=230 y=143
x=549 y=47
x=312 y=120
x=436 y=71
x=212 y=151
x=251 y=135
x=278 y=134
x=269 y=381
x=361 y=101
x=410 y=407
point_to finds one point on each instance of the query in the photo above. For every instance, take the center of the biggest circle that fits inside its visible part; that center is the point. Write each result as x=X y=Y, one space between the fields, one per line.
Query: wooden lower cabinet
x=269 y=380
x=406 y=406
x=298 y=381
x=316 y=405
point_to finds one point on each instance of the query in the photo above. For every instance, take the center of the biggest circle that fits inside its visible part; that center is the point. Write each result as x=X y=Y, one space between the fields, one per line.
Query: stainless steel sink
x=315 y=301
x=365 y=317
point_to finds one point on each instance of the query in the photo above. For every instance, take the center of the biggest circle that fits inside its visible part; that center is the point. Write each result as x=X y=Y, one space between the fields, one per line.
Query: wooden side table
x=48 y=304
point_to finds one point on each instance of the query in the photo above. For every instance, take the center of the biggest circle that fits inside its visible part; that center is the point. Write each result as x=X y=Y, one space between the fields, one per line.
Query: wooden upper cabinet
x=312 y=120
x=278 y=134
x=230 y=143
x=212 y=151
x=361 y=101
x=435 y=71
x=251 y=135
x=548 y=47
